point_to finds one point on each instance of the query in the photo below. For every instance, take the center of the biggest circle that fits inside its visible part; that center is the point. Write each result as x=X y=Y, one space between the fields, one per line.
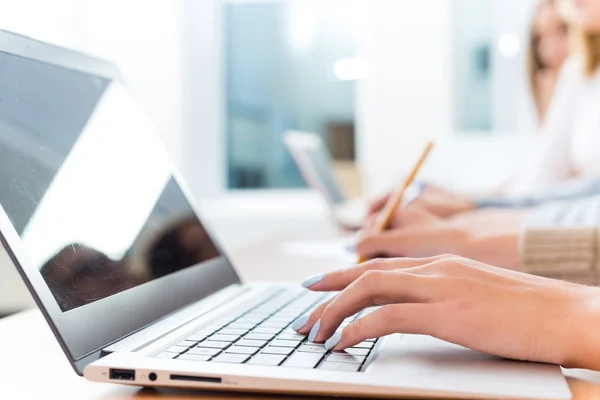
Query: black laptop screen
x=87 y=184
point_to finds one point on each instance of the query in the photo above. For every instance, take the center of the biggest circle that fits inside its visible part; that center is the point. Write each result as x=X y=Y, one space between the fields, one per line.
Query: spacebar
x=303 y=360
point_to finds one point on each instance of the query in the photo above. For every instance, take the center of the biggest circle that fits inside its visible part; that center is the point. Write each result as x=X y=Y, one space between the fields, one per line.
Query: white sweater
x=569 y=143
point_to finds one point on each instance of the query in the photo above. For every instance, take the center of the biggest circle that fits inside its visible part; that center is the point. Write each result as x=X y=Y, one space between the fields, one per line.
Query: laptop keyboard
x=262 y=335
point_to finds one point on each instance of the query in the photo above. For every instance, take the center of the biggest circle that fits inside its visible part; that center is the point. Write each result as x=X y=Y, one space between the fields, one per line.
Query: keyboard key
x=355 y=352
x=252 y=321
x=193 y=357
x=371 y=340
x=259 y=336
x=203 y=351
x=291 y=336
x=285 y=343
x=224 y=338
x=186 y=344
x=229 y=331
x=211 y=329
x=274 y=325
x=346 y=358
x=286 y=320
x=251 y=343
x=313 y=349
x=334 y=366
x=364 y=345
x=286 y=351
x=242 y=350
x=235 y=325
x=232 y=358
x=196 y=338
x=303 y=360
x=214 y=345
x=272 y=331
x=166 y=355
x=271 y=360
x=176 y=350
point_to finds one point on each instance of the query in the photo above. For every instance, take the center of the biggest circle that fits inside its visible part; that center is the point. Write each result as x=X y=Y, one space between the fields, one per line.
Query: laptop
x=137 y=290
x=314 y=162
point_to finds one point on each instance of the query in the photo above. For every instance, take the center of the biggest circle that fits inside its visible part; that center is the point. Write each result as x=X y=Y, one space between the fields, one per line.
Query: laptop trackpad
x=426 y=362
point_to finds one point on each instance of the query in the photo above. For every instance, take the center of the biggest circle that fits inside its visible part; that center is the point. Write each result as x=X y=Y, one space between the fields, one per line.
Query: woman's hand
x=496 y=311
x=491 y=236
x=413 y=241
x=411 y=215
x=436 y=200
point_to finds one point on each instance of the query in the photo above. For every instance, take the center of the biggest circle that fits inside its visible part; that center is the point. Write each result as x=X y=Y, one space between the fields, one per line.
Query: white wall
x=408 y=95
x=204 y=141
x=169 y=53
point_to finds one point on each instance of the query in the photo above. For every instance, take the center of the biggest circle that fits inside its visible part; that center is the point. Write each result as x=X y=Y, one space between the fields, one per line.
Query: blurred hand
x=433 y=203
x=490 y=236
x=444 y=203
x=422 y=240
x=412 y=215
x=496 y=311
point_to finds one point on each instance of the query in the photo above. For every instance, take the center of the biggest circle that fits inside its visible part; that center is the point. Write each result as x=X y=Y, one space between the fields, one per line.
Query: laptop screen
x=320 y=161
x=87 y=184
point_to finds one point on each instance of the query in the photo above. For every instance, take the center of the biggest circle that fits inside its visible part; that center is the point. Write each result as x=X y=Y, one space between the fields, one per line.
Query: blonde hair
x=535 y=64
x=590 y=49
x=587 y=44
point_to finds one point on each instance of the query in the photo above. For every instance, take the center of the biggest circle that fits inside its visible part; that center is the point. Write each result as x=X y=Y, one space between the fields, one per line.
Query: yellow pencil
x=395 y=200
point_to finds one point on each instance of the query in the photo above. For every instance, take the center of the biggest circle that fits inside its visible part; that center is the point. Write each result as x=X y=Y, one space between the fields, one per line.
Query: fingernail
x=333 y=341
x=300 y=322
x=312 y=281
x=315 y=330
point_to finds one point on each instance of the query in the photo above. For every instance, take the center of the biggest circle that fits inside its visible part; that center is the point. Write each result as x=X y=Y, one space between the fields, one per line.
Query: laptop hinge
x=174 y=321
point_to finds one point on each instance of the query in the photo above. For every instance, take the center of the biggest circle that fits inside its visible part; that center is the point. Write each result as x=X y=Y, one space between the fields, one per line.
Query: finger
x=388 y=244
x=369 y=223
x=304 y=324
x=373 y=288
x=339 y=280
x=415 y=241
x=417 y=319
x=378 y=204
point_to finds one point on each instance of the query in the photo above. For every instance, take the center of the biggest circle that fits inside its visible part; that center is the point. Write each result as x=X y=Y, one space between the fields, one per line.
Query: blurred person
x=548 y=50
x=568 y=149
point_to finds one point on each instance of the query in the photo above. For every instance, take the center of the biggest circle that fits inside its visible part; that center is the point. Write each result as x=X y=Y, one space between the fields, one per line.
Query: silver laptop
x=314 y=162
x=136 y=289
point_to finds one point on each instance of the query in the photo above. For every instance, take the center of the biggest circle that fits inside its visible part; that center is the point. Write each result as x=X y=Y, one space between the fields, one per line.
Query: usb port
x=122 y=374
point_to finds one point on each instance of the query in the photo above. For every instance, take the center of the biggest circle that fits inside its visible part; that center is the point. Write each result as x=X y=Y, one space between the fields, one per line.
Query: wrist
x=581 y=341
x=484 y=248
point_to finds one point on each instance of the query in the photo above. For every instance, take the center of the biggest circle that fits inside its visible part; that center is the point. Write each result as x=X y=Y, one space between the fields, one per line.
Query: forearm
x=500 y=249
x=567 y=191
x=580 y=340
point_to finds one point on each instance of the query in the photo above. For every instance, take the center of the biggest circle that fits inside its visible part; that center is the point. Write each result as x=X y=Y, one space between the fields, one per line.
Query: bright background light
x=351 y=69
x=509 y=45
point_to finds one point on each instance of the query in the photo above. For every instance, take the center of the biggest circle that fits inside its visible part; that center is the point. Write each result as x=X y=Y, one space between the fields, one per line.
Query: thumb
x=388 y=244
x=378 y=204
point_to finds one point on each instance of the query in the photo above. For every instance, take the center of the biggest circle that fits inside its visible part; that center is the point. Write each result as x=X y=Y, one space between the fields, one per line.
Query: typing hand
x=496 y=311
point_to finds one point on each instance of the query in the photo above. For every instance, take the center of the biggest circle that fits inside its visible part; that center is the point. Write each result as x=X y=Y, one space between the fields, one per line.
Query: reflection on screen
x=87 y=185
